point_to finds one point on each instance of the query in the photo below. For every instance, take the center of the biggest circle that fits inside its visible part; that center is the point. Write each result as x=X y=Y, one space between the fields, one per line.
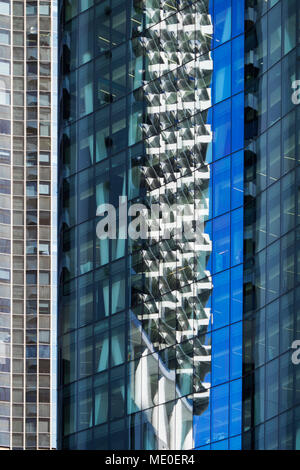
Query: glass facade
x=271 y=236
x=220 y=426
x=181 y=339
x=25 y=221
x=146 y=111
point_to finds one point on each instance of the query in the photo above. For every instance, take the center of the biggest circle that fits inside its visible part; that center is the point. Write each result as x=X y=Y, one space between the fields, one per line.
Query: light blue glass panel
x=222 y=72
x=236 y=297
x=235 y=416
x=220 y=356
x=222 y=445
x=222 y=129
x=238 y=71
x=222 y=21
x=205 y=447
x=237 y=17
x=221 y=301
x=5 y=7
x=221 y=243
x=221 y=186
x=202 y=428
x=236 y=351
x=235 y=443
x=220 y=411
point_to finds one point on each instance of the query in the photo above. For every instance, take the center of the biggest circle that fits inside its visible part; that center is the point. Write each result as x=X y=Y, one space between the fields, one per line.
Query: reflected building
x=143 y=313
x=173 y=175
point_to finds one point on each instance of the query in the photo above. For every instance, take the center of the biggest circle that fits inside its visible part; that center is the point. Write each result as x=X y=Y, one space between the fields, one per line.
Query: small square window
x=31 y=307
x=44 y=9
x=45 y=218
x=45 y=189
x=4 y=37
x=44 y=249
x=44 y=99
x=4 y=245
x=4 y=126
x=44 y=158
x=31 y=247
x=31 y=159
x=4 y=7
x=4 y=216
x=5 y=156
x=45 y=69
x=4 y=424
x=31 y=189
x=44 y=353
x=31 y=9
x=4 y=275
x=5 y=305
x=45 y=129
x=5 y=97
x=44 y=307
x=44 y=394
x=44 y=278
x=32 y=69
x=31 y=277
x=31 y=98
x=44 y=336
x=44 y=425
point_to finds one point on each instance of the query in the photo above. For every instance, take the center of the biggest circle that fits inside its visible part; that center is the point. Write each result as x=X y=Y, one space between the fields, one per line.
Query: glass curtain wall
x=133 y=314
x=220 y=426
x=271 y=275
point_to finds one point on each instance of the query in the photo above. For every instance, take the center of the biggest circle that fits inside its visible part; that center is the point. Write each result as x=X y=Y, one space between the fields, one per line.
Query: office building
x=178 y=339
x=271 y=233
x=28 y=235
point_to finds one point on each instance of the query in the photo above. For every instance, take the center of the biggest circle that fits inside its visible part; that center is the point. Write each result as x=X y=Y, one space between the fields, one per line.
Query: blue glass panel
x=238 y=70
x=220 y=409
x=220 y=356
x=221 y=185
x=236 y=350
x=221 y=243
x=222 y=445
x=205 y=447
x=237 y=218
x=235 y=419
x=237 y=17
x=202 y=428
x=222 y=21
x=222 y=73
x=235 y=443
x=236 y=294
x=222 y=129
x=221 y=302
x=237 y=122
